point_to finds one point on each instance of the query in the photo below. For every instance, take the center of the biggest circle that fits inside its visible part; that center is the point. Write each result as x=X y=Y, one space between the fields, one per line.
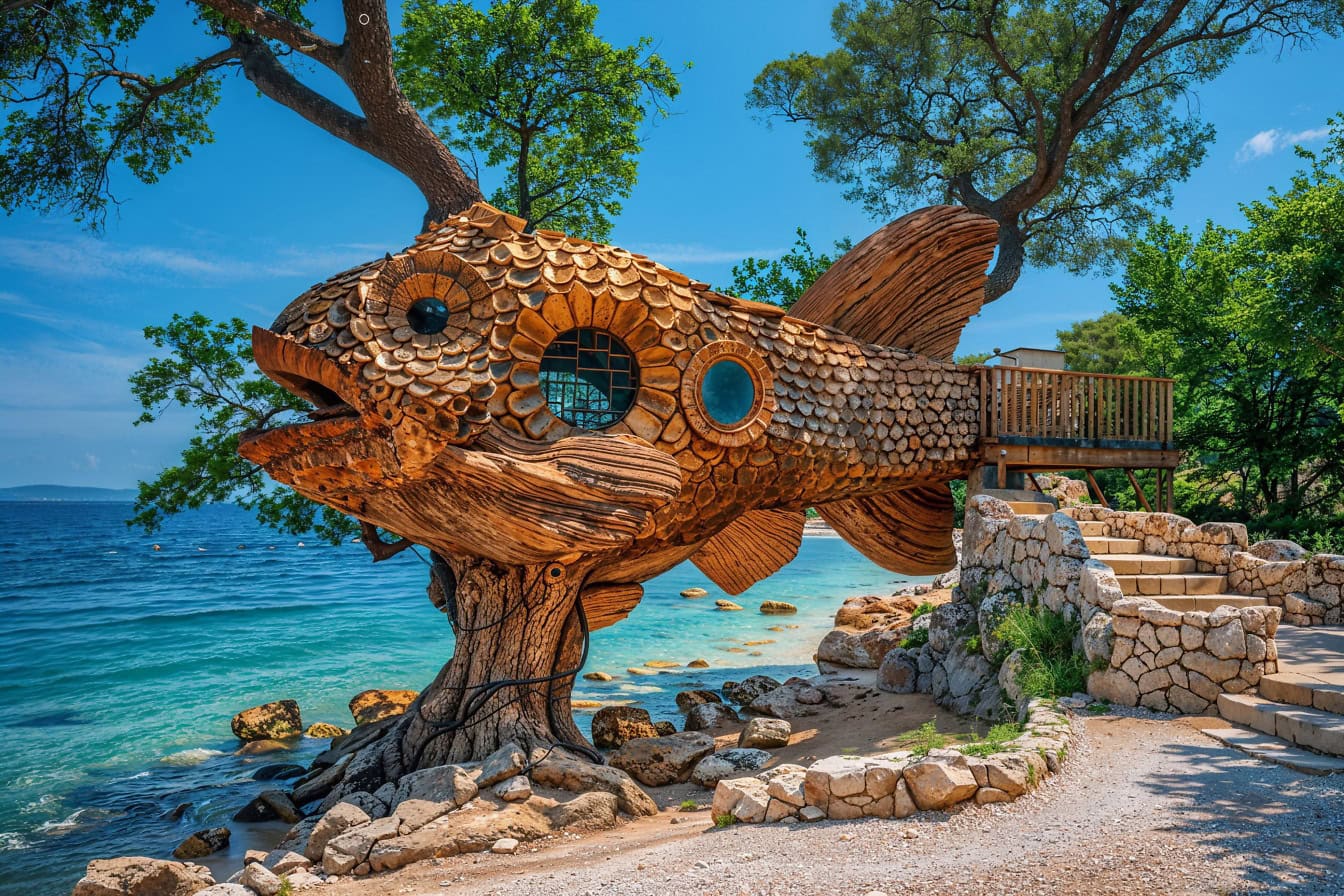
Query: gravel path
x=1143 y=806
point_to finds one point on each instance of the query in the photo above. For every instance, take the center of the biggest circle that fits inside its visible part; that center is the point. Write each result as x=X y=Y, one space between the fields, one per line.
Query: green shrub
x=923 y=609
x=286 y=888
x=973 y=644
x=725 y=820
x=689 y=805
x=995 y=741
x=926 y=738
x=1050 y=667
x=916 y=639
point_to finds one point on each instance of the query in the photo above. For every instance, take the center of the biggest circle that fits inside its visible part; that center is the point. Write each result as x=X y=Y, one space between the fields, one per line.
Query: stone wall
x=1309 y=589
x=1144 y=653
x=897 y=785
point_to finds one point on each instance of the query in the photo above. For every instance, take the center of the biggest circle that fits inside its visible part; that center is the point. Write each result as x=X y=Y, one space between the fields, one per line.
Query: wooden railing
x=1065 y=404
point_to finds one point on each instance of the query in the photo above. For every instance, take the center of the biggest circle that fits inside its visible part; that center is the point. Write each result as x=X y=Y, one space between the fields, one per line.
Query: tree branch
x=276 y=27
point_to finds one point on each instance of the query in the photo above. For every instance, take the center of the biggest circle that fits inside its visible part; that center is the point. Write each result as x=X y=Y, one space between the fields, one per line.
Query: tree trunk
x=519 y=646
x=1008 y=264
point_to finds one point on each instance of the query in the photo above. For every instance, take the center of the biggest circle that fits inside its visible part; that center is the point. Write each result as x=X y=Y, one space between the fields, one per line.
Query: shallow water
x=121 y=666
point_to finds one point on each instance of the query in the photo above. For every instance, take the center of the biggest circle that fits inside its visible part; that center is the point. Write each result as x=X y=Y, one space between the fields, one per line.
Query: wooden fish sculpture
x=532 y=398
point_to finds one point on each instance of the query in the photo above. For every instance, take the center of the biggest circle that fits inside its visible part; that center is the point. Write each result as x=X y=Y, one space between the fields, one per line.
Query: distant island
x=65 y=493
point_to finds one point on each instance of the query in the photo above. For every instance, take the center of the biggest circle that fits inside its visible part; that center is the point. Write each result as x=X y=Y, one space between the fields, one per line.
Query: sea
x=122 y=665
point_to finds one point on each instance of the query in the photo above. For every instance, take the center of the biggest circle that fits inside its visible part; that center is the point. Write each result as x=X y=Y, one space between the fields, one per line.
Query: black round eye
x=427 y=316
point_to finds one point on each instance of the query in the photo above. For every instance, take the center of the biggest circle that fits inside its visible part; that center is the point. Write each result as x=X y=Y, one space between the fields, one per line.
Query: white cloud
x=695 y=253
x=1275 y=140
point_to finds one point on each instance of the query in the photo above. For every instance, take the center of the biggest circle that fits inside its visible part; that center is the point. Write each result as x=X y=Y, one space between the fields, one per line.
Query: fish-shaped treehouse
x=559 y=421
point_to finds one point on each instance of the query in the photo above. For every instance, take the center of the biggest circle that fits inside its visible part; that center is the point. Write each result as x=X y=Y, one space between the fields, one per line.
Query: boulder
x=726 y=605
x=765 y=733
x=286 y=862
x=898 y=672
x=504 y=763
x=439 y=784
x=140 y=876
x=1099 y=639
x=505 y=846
x=664 y=728
x=744 y=692
x=348 y=850
x=341 y=818
x=270 y=721
x=777 y=608
x=858 y=650
x=940 y=781
x=324 y=729
x=658 y=761
x=597 y=676
x=789 y=701
x=698 y=664
x=577 y=776
x=586 y=812
x=1278 y=550
x=728 y=764
x=268 y=806
x=990 y=616
x=708 y=716
x=686 y=700
x=693 y=593
x=203 y=843
x=745 y=799
x=261 y=879
x=375 y=705
x=279 y=772
x=415 y=814
x=614 y=725
x=261 y=747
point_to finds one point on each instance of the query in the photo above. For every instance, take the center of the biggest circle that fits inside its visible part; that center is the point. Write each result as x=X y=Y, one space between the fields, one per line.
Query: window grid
x=589 y=378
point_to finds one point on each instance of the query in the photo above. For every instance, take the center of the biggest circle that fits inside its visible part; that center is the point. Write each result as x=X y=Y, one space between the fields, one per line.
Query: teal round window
x=727 y=392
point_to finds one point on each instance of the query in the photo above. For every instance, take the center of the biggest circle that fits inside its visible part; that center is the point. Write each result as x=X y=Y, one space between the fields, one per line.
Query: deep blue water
x=121 y=666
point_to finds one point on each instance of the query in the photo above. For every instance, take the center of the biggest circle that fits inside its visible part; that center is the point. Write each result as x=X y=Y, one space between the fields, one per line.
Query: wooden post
x=1101 y=496
x=1138 y=491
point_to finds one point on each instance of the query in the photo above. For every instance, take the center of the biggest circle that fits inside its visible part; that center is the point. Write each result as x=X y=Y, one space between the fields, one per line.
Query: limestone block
x=936 y=783
x=1114 y=686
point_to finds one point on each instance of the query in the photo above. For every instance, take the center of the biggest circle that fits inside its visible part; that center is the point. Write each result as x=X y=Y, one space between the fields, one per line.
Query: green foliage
x=689 y=806
x=725 y=820
x=995 y=741
x=972 y=644
x=1050 y=667
x=924 y=609
x=1257 y=346
x=926 y=737
x=286 y=888
x=1101 y=707
x=783 y=280
x=958 y=487
x=530 y=87
x=1066 y=122
x=1111 y=343
x=208 y=368
x=916 y=639
x=972 y=359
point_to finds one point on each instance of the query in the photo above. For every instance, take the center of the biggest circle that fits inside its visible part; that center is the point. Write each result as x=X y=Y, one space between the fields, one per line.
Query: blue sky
x=274 y=205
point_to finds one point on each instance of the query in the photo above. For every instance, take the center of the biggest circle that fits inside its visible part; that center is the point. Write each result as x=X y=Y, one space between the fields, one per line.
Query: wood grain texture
x=909 y=531
x=913 y=284
x=607 y=604
x=751 y=548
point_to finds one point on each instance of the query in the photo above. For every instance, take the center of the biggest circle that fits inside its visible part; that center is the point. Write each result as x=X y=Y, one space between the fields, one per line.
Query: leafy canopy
x=1061 y=121
x=530 y=87
x=1253 y=319
x=783 y=280
x=1111 y=343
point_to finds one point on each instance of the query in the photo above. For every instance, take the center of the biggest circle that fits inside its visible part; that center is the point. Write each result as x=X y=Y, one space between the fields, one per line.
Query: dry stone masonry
x=1310 y=589
x=899 y=784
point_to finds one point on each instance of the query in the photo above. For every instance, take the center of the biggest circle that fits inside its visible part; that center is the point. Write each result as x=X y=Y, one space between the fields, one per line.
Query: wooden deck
x=1036 y=421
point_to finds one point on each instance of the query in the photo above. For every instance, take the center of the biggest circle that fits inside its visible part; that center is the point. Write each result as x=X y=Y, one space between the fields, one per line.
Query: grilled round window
x=589 y=378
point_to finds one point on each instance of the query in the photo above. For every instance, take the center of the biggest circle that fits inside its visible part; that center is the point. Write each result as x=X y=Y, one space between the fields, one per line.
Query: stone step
x=1093 y=528
x=1314 y=729
x=1301 y=690
x=1272 y=749
x=1099 y=545
x=1190 y=583
x=1031 y=508
x=1146 y=564
x=1207 y=603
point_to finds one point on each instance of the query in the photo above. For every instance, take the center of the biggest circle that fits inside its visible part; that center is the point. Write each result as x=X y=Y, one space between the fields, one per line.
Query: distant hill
x=65 y=493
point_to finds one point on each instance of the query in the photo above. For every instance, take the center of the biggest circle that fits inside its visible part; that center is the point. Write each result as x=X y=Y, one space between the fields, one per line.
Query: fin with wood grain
x=751 y=548
x=908 y=531
x=913 y=284
x=608 y=603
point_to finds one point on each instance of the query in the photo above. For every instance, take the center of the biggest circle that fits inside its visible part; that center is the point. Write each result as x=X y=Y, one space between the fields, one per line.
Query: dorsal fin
x=752 y=547
x=913 y=284
x=908 y=531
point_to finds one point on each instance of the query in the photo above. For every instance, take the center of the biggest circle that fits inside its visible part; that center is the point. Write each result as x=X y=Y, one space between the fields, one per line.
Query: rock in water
x=726 y=605
x=270 y=721
x=709 y=715
x=614 y=725
x=698 y=664
x=777 y=608
x=202 y=843
x=657 y=761
x=686 y=700
x=765 y=733
x=279 y=772
x=693 y=593
x=597 y=676
x=376 y=705
x=324 y=729
x=140 y=876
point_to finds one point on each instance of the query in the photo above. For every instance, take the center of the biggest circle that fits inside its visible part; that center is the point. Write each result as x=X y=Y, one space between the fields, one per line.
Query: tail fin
x=908 y=531
x=913 y=284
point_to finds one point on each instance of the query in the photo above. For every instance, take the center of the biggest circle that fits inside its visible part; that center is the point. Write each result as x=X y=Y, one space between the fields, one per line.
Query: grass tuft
x=1050 y=667
x=995 y=741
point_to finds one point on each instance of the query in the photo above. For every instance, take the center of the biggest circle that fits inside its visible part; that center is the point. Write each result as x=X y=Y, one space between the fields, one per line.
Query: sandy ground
x=1145 y=805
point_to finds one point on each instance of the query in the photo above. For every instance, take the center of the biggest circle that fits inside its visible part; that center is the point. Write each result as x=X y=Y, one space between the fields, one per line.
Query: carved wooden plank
x=607 y=604
x=913 y=284
x=908 y=531
x=751 y=548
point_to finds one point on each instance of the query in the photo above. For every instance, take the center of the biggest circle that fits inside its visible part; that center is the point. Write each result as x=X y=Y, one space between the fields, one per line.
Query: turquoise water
x=120 y=666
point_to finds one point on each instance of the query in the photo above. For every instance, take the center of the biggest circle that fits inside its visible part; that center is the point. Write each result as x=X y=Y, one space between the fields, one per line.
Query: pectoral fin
x=907 y=531
x=751 y=548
